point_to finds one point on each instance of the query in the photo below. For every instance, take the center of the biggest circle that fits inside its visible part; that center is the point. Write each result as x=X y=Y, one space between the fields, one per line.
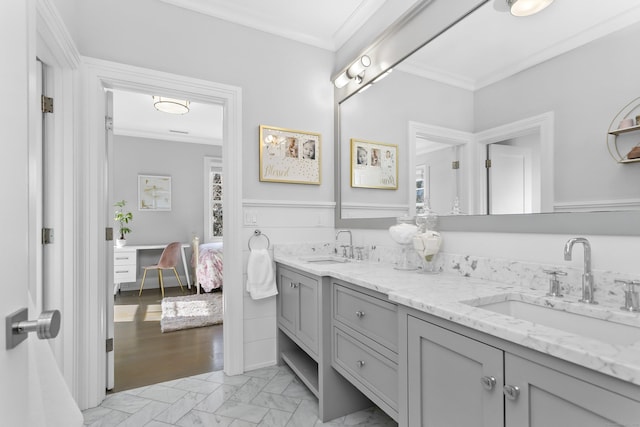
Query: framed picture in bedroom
x=374 y=165
x=154 y=193
x=289 y=156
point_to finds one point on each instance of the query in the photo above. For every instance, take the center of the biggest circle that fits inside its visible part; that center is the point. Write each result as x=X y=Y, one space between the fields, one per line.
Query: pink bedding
x=209 y=268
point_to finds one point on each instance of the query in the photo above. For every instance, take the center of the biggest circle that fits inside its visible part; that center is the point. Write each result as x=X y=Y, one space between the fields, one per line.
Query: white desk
x=125 y=263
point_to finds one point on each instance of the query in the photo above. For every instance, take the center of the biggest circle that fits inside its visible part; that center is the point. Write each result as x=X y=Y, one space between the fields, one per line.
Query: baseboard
x=260 y=365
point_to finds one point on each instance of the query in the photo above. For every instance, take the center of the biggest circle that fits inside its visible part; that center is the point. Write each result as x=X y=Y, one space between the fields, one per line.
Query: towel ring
x=257 y=234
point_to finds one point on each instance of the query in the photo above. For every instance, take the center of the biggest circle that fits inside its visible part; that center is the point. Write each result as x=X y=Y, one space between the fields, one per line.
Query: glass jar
x=402 y=233
x=404 y=230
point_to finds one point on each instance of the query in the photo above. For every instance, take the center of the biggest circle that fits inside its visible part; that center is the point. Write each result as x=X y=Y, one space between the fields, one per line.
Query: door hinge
x=46 y=104
x=109 y=234
x=108 y=123
x=47 y=236
x=487 y=163
x=109 y=345
x=455 y=165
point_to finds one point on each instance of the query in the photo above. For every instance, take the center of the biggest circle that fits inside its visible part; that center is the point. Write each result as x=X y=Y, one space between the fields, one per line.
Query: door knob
x=18 y=326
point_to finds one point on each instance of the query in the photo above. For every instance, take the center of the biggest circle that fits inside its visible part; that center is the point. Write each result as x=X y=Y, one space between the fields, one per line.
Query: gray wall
x=585 y=88
x=184 y=163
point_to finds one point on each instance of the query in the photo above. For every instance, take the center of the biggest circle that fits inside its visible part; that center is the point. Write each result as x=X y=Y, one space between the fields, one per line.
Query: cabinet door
x=287 y=300
x=549 y=398
x=445 y=379
x=307 y=328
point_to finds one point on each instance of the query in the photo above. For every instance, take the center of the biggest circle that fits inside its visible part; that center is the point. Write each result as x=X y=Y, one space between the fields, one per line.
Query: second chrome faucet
x=587 y=276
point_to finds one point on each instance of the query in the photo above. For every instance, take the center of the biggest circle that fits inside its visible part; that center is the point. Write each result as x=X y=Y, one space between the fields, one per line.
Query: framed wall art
x=289 y=156
x=374 y=165
x=154 y=193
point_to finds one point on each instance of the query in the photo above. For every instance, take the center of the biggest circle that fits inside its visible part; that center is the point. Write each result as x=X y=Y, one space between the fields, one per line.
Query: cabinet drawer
x=123 y=258
x=124 y=273
x=372 y=370
x=372 y=317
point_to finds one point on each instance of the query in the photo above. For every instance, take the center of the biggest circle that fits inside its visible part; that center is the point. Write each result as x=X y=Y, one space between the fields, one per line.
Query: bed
x=208 y=268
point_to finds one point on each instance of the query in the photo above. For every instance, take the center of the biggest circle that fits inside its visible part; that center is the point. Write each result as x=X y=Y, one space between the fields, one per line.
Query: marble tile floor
x=266 y=397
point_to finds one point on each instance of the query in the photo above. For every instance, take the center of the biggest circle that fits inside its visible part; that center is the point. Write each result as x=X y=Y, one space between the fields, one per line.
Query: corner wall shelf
x=632 y=109
x=624 y=130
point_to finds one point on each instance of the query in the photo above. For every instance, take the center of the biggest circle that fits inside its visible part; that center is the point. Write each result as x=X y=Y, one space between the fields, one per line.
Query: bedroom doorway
x=96 y=252
x=146 y=142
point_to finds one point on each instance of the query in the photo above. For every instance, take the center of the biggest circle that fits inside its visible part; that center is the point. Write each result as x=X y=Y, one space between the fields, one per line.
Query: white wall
x=282 y=222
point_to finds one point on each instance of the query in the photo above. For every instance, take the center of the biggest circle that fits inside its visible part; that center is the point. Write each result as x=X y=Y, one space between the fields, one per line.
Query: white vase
x=121 y=243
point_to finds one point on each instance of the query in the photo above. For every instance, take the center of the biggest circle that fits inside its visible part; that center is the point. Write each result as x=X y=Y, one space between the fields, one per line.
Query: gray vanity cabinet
x=303 y=307
x=456 y=380
x=444 y=379
x=298 y=308
x=365 y=343
x=551 y=398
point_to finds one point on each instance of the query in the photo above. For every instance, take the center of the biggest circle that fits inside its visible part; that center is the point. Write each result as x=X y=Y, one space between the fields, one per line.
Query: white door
x=14 y=165
x=32 y=391
x=509 y=179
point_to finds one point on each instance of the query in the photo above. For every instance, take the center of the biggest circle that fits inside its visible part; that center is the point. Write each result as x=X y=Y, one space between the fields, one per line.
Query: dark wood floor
x=144 y=355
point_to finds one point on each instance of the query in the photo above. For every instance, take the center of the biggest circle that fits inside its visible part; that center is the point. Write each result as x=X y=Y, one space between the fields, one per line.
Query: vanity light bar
x=355 y=71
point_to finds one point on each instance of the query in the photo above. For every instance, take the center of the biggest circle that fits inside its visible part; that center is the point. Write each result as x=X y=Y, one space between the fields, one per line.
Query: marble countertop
x=453 y=298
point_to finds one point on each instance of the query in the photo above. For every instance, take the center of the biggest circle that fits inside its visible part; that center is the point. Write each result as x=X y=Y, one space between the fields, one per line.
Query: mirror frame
x=407 y=35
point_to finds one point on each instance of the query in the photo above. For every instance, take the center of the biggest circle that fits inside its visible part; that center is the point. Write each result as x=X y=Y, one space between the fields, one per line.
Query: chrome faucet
x=344 y=249
x=587 y=276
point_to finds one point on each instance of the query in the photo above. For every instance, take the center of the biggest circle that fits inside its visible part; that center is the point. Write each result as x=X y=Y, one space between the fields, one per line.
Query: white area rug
x=191 y=311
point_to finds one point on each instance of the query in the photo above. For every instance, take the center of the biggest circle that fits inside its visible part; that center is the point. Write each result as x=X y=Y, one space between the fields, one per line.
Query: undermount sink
x=605 y=329
x=325 y=259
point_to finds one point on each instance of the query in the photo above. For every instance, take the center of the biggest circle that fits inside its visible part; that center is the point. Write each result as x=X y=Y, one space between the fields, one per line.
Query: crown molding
x=228 y=11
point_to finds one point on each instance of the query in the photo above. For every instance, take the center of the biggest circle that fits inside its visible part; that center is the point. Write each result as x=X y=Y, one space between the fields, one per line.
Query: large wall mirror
x=536 y=96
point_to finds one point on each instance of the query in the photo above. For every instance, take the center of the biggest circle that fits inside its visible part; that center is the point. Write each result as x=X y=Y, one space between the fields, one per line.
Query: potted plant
x=122 y=217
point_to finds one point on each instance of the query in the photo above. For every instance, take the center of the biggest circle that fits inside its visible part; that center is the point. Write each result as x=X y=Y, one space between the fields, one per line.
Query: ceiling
x=135 y=115
x=483 y=48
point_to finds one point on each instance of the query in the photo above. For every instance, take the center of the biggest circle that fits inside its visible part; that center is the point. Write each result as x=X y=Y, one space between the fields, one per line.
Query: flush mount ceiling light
x=170 y=105
x=355 y=71
x=527 y=7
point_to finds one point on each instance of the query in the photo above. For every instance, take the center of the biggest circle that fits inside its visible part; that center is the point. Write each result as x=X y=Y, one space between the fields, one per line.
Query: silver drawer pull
x=122 y=257
x=359 y=313
x=488 y=382
x=360 y=363
x=122 y=271
x=511 y=392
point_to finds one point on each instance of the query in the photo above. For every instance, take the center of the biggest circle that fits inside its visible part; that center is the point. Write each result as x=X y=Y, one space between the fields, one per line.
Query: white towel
x=261 y=281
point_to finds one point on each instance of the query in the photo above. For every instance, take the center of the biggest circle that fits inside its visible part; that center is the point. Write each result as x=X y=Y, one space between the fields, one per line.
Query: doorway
x=513 y=176
x=100 y=75
x=533 y=137
x=148 y=142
